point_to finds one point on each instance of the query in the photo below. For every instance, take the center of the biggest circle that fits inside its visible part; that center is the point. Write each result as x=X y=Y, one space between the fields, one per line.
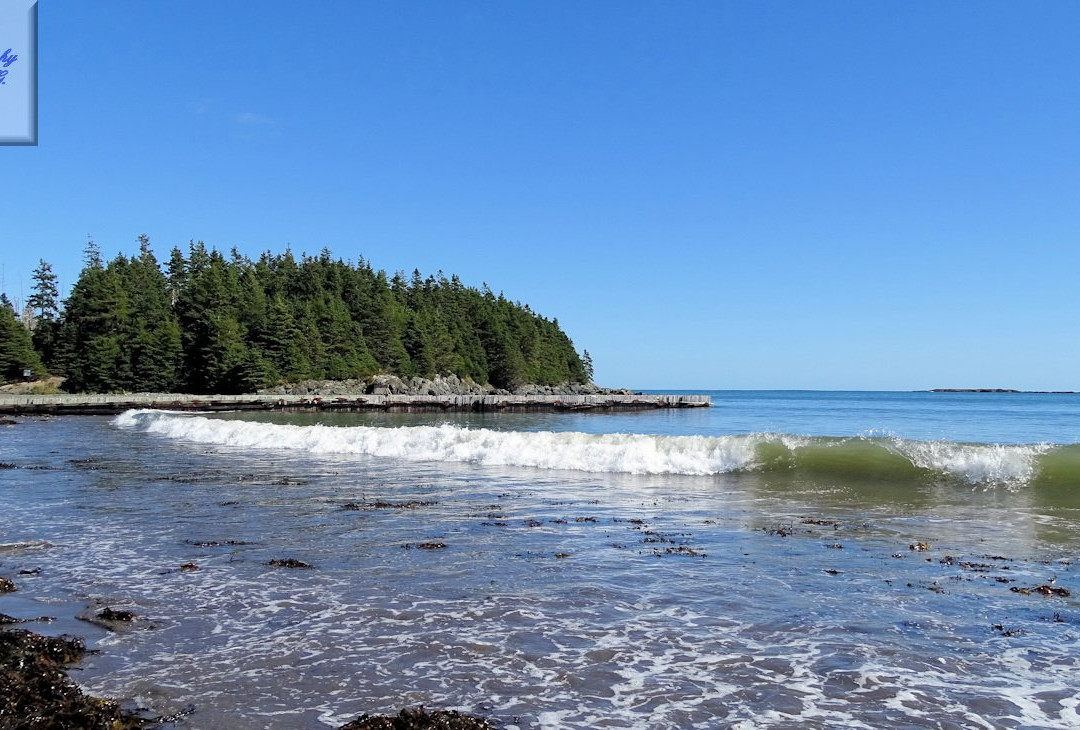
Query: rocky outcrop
x=384 y=384
x=571 y=389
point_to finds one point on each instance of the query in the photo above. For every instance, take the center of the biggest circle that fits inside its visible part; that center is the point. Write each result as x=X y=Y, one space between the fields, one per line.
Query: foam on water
x=976 y=463
x=756 y=635
x=615 y=452
x=629 y=453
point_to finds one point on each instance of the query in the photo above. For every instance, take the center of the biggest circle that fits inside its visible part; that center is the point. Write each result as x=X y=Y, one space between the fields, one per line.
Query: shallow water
x=747 y=597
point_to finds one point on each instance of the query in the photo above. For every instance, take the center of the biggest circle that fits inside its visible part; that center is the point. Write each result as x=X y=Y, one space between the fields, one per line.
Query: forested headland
x=207 y=323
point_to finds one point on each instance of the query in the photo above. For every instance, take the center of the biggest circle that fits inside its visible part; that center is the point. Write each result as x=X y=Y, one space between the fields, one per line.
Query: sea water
x=781 y=559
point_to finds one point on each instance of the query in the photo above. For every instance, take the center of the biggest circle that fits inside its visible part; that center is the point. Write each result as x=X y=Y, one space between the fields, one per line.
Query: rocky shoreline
x=441 y=385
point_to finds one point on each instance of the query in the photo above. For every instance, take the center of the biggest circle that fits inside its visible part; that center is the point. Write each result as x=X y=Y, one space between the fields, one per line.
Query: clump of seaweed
x=380 y=504
x=425 y=545
x=112 y=614
x=1045 y=590
x=35 y=692
x=419 y=719
x=289 y=563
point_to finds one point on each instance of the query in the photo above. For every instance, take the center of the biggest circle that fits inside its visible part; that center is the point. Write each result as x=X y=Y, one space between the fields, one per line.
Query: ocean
x=782 y=559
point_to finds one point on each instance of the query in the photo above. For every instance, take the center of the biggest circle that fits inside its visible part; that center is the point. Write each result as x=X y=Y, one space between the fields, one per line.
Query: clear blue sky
x=712 y=194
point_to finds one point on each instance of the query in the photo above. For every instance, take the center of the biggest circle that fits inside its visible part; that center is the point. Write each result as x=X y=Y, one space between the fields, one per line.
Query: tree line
x=204 y=323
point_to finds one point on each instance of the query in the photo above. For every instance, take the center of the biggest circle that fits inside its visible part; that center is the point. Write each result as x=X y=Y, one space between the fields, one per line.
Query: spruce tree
x=16 y=348
x=93 y=332
x=45 y=300
x=211 y=324
x=152 y=331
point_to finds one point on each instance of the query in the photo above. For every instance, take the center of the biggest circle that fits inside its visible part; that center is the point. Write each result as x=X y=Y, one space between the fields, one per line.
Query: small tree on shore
x=45 y=301
x=16 y=349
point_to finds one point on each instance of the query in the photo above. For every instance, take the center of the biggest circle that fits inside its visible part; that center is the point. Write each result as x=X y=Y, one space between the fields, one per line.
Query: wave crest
x=871 y=458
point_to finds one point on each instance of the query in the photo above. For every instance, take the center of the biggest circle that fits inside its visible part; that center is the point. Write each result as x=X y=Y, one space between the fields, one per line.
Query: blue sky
x=862 y=195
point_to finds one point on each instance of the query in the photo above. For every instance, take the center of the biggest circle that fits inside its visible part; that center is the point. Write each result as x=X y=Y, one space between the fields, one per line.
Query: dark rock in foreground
x=419 y=719
x=36 y=694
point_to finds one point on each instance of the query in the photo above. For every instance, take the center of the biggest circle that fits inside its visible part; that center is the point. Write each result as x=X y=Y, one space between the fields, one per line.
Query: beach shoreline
x=111 y=404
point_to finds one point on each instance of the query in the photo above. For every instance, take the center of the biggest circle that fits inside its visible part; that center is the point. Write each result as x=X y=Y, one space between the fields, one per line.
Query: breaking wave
x=854 y=457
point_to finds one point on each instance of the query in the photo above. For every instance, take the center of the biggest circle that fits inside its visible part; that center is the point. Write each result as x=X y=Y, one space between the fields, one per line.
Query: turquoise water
x=783 y=559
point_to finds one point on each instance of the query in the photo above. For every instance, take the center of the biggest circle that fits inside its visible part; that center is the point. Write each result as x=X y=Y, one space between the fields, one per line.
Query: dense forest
x=204 y=323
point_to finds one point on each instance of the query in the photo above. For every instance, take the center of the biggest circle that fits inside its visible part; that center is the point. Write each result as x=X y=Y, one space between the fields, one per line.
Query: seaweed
x=36 y=693
x=419 y=719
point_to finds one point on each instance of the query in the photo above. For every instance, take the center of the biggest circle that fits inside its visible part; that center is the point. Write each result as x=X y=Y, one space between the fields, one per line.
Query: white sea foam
x=630 y=453
x=625 y=453
x=975 y=463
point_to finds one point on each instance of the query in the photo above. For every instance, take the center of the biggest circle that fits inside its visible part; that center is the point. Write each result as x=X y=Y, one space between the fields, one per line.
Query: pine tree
x=16 y=348
x=177 y=275
x=45 y=301
x=587 y=363
x=46 y=297
x=152 y=331
x=92 y=254
x=92 y=332
x=217 y=324
x=211 y=337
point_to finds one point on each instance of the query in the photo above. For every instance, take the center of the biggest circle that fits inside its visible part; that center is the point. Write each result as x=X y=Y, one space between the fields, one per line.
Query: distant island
x=205 y=323
x=994 y=390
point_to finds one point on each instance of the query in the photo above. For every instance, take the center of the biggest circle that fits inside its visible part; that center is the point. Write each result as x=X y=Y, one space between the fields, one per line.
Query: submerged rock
x=419 y=719
x=111 y=619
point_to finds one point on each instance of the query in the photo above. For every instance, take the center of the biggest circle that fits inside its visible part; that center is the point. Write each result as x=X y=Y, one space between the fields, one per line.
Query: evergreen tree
x=152 y=330
x=279 y=343
x=177 y=275
x=46 y=296
x=211 y=324
x=45 y=300
x=92 y=332
x=92 y=254
x=211 y=337
x=16 y=348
